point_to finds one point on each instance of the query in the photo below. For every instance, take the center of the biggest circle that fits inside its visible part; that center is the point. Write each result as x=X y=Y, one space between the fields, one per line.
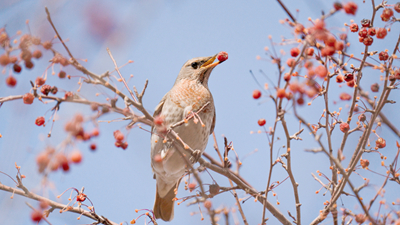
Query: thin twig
x=121 y=77
x=57 y=205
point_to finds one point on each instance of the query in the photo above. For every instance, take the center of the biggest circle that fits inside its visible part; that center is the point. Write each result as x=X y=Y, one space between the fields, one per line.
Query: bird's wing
x=160 y=105
x=213 y=123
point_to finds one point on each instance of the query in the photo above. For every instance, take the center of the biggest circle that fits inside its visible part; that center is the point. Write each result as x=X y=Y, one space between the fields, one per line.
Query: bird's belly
x=194 y=135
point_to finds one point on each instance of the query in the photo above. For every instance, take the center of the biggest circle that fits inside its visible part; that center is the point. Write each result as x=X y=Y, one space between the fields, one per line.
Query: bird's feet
x=196 y=154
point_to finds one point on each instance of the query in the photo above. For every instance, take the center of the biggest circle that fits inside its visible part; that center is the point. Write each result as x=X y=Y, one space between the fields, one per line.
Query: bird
x=190 y=97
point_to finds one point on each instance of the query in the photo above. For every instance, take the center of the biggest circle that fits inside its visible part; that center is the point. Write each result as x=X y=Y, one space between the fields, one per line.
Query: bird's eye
x=195 y=65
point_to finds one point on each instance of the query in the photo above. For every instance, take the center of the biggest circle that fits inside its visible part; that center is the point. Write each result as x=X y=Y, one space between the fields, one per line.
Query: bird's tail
x=164 y=207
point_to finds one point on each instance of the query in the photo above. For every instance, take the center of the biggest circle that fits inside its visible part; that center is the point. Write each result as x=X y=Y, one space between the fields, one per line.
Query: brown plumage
x=189 y=93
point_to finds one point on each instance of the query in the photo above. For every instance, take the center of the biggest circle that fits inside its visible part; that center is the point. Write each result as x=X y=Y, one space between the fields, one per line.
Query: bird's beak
x=209 y=63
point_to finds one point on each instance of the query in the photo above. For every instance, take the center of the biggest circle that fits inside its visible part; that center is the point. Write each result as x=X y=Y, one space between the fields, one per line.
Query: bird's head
x=198 y=69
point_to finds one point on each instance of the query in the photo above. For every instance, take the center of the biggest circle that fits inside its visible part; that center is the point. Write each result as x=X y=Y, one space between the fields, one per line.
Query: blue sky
x=159 y=36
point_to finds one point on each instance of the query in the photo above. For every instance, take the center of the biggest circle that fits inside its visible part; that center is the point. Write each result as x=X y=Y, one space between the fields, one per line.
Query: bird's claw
x=196 y=154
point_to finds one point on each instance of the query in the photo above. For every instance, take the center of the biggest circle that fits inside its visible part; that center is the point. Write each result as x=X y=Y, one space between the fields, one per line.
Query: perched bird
x=189 y=94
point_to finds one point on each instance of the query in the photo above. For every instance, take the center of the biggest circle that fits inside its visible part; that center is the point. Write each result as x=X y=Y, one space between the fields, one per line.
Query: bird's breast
x=189 y=93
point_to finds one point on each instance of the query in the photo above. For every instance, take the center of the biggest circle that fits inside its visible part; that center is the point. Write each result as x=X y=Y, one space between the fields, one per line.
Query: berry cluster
x=119 y=140
x=366 y=32
x=75 y=128
x=57 y=160
x=22 y=52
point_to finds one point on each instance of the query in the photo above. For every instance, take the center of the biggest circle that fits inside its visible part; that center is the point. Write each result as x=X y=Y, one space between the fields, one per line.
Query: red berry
x=361 y=39
x=299 y=28
x=327 y=51
x=375 y=87
x=95 y=132
x=383 y=56
x=37 y=54
x=308 y=64
x=256 y=94
x=396 y=75
x=350 y=8
x=61 y=158
x=45 y=89
x=287 y=77
x=353 y=27
x=119 y=137
x=330 y=41
x=47 y=45
x=124 y=145
x=29 y=64
x=371 y=31
x=261 y=122
x=362 y=117
x=364 y=163
x=363 y=32
x=4 y=60
x=28 y=98
x=222 y=56
x=310 y=51
x=344 y=96
x=68 y=95
x=81 y=197
x=339 y=45
x=62 y=74
x=93 y=146
x=387 y=13
x=380 y=143
x=64 y=61
x=192 y=186
x=94 y=106
x=54 y=90
x=396 y=7
x=360 y=218
x=294 y=87
x=294 y=52
x=289 y=95
x=321 y=71
x=351 y=83
x=42 y=161
x=365 y=22
x=339 y=78
x=344 y=127
x=337 y=5
x=368 y=41
x=62 y=161
x=76 y=156
x=348 y=77
x=381 y=33
x=207 y=204
x=65 y=166
x=17 y=68
x=43 y=204
x=281 y=93
x=300 y=101
x=290 y=62
x=39 y=121
x=36 y=216
x=11 y=81
x=26 y=55
x=39 y=81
